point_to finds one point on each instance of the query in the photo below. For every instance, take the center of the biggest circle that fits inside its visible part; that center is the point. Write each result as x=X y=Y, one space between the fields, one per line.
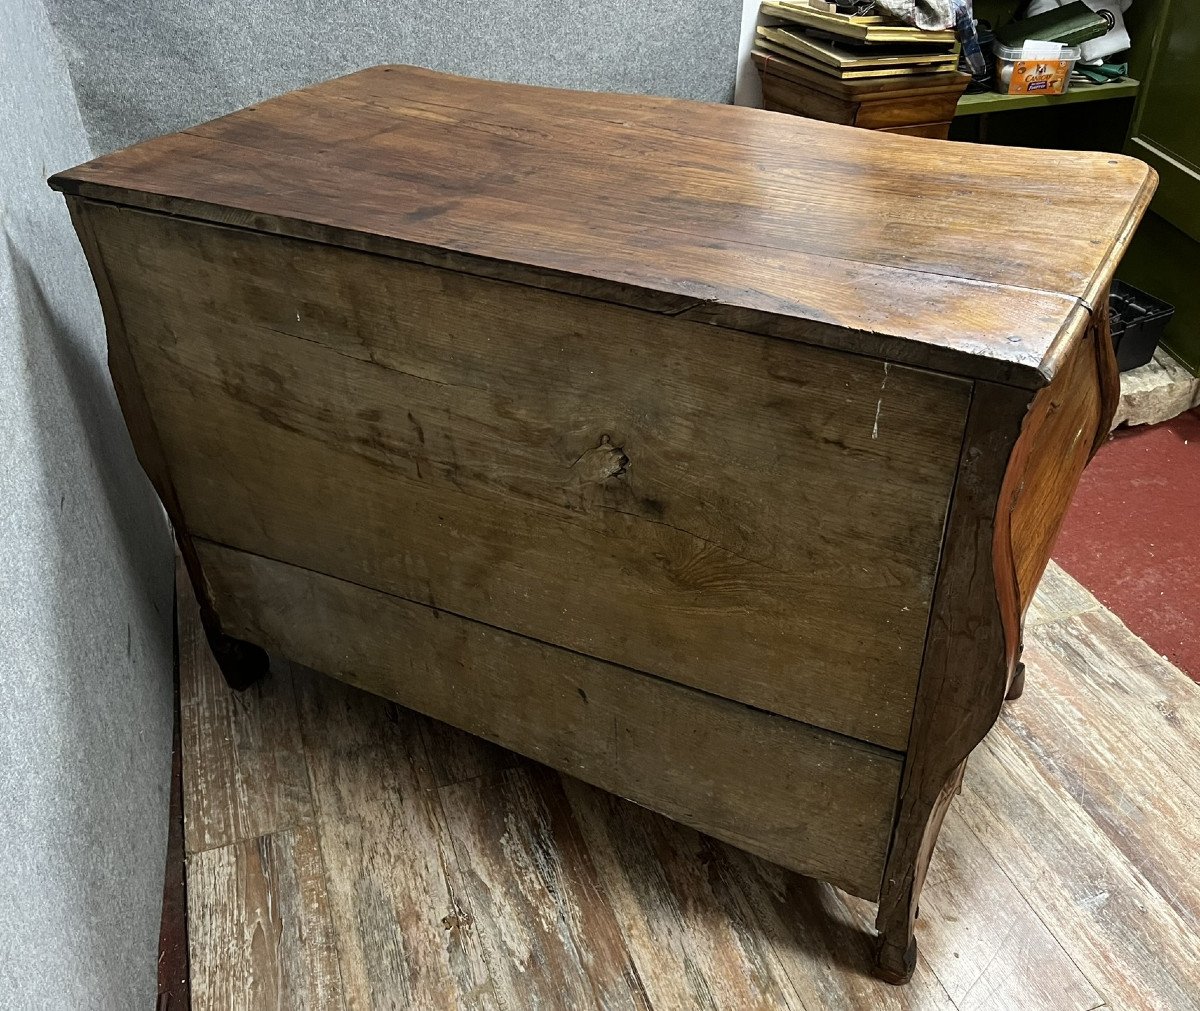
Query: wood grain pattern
x=863 y=89
x=1121 y=933
x=239 y=783
x=717 y=928
x=462 y=756
x=1066 y=424
x=783 y=223
x=825 y=809
x=783 y=95
x=1010 y=499
x=916 y=102
x=592 y=425
x=966 y=668
x=822 y=936
x=930 y=131
x=990 y=948
x=240 y=663
x=403 y=933
x=261 y=936
x=657 y=875
x=1058 y=596
x=520 y=819
x=905 y=113
x=1130 y=792
x=558 y=437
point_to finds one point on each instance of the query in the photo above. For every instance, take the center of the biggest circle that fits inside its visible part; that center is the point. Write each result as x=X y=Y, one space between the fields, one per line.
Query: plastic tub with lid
x=1034 y=68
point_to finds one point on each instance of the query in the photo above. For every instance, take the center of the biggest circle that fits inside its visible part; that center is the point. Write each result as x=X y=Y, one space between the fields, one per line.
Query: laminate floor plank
x=402 y=930
x=546 y=927
x=1116 y=679
x=261 y=937
x=823 y=937
x=692 y=949
x=984 y=941
x=1137 y=777
x=244 y=772
x=1132 y=945
x=1059 y=595
x=424 y=868
x=455 y=757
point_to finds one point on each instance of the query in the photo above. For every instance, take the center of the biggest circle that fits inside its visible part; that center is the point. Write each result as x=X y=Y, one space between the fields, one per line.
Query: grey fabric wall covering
x=85 y=592
x=147 y=67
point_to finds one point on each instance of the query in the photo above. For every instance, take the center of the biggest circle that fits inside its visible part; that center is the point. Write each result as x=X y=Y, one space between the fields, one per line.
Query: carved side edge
x=1107 y=370
x=964 y=673
x=1094 y=346
x=242 y=663
x=987 y=578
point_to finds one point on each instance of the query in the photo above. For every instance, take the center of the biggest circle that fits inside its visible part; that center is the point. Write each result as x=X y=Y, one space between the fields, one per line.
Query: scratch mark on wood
x=879 y=403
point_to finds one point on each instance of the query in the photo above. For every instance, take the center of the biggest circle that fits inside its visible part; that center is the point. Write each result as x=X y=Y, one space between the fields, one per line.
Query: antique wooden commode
x=708 y=454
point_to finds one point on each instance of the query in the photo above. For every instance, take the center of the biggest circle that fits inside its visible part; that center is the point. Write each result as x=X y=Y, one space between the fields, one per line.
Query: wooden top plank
x=964 y=258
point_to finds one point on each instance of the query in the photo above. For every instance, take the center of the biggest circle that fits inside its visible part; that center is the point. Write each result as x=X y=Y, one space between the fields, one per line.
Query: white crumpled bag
x=932 y=15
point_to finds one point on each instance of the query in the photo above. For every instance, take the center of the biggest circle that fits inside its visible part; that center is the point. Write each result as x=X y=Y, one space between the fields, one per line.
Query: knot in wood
x=601 y=462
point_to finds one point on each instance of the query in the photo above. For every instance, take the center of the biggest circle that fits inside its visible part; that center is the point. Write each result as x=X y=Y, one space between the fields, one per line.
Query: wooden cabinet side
x=1021 y=461
x=242 y=663
x=1067 y=423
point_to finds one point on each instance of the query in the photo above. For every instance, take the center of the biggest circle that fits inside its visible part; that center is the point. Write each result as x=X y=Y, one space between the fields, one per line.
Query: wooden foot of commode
x=242 y=663
x=1016 y=687
x=896 y=949
x=893 y=964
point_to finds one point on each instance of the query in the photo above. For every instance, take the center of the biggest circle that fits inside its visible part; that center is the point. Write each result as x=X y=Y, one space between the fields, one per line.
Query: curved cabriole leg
x=964 y=672
x=242 y=663
x=896 y=950
x=896 y=947
x=1021 y=460
x=1016 y=687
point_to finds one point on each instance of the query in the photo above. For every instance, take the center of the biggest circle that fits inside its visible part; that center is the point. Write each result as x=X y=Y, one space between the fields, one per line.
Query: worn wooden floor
x=346 y=853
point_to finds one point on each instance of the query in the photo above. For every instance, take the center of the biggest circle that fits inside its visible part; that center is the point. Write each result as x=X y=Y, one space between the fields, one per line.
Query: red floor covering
x=1132 y=535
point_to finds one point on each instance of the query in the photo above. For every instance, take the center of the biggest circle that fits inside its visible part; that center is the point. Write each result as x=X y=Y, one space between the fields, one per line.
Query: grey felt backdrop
x=145 y=67
x=85 y=591
x=85 y=559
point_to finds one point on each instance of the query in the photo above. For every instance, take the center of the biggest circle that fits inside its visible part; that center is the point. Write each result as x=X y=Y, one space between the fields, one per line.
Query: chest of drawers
x=707 y=454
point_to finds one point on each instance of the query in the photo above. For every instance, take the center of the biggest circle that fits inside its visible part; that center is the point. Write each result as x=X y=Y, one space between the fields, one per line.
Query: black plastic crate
x=1137 y=321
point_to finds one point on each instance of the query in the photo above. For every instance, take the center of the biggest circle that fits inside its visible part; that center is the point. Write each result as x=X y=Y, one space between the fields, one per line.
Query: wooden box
x=921 y=105
x=708 y=455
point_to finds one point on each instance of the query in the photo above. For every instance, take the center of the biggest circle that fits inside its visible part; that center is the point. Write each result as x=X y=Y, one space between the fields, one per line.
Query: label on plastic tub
x=1039 y=69
x=1046 y=76
x=1032 y=77
x=1035 y=67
